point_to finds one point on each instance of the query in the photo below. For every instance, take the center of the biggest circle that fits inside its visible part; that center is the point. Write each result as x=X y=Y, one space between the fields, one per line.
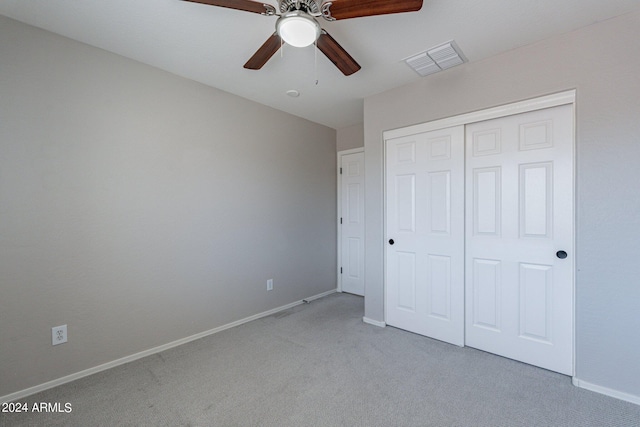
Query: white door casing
x=425 y=234
x=351 y=222
x=519 y=198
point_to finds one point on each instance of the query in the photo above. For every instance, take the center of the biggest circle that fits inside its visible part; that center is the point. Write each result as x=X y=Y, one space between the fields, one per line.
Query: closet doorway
x=480 y=231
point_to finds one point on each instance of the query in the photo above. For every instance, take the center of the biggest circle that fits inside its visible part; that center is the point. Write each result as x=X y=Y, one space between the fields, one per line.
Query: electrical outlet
x=270 y=284
x=58 y=335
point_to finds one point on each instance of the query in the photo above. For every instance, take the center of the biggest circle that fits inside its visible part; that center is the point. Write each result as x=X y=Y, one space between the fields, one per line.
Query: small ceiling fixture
x=298 y=28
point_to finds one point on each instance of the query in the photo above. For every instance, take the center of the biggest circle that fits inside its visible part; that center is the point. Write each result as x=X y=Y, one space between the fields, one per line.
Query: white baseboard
x=76 y=376
x=374 y=322
x=606 y=391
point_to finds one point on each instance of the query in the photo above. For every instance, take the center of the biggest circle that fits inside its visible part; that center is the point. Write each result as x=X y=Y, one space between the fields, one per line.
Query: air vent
x=436 y=59
x=422 y=64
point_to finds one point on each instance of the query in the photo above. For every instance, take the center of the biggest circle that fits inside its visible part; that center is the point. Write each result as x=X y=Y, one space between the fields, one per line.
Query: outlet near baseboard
x=270 y=284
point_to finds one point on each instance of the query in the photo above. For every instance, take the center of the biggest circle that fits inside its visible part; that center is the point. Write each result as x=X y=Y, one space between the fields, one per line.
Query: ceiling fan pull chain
x=315 y=61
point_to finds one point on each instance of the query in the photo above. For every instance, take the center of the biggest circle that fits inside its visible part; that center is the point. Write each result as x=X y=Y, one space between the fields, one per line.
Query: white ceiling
x=210 y=44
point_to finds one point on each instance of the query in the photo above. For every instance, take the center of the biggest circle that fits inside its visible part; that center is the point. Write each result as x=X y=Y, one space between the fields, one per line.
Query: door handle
x=561 y=254
x=391 y=242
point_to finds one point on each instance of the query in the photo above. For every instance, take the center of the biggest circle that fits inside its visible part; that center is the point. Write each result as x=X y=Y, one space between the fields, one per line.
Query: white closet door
x=519 y=237
x=425 y=234
x=352 y=223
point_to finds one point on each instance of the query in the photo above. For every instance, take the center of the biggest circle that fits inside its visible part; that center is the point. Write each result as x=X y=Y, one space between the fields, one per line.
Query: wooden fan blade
x=265 y=53
x=345 y=9
x=246 y=5
x=337 y=54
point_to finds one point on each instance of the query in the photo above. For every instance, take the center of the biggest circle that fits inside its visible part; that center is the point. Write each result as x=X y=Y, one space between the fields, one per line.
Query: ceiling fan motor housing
x=308 y=6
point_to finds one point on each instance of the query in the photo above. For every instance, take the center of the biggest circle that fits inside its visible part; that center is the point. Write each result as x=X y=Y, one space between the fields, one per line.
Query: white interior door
x=352 y=223
x=425 y=234
x=519 y=237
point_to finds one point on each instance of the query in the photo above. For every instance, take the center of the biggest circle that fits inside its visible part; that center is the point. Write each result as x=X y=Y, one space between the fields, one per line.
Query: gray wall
x=140 y=208
x=350 y=137
x=602 y=63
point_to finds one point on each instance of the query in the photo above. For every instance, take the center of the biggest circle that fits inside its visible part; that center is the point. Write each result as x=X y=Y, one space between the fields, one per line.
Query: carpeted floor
x=320 y=365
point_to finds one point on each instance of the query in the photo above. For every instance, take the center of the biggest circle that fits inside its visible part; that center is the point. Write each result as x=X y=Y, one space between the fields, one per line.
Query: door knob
x=391 y=242
x=561 y=254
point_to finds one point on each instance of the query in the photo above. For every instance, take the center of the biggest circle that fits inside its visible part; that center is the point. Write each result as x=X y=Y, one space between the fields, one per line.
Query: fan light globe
x=298 y=29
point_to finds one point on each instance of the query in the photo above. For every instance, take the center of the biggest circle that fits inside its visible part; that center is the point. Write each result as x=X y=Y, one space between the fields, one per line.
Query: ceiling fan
x=297 y=24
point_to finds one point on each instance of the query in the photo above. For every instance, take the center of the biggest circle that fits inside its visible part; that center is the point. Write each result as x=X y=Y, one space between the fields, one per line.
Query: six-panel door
x=352 y=223
x=425 y=229
x=519 y=198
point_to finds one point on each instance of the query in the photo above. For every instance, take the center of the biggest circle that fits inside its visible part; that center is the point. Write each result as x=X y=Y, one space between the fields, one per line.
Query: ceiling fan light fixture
x=298 y=28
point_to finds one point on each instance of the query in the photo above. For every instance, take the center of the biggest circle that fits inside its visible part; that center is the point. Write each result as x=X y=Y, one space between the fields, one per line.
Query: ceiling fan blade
x=265 y=53
x=246 y=5
x=337 y=54
x=345 y=9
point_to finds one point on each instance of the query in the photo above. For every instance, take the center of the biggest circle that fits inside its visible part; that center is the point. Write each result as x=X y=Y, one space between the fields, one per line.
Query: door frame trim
x=553 y=100
x=339 y=155
x=519 y=107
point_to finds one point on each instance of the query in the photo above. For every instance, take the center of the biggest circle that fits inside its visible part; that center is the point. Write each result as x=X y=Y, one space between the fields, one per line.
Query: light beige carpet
x=320 y=365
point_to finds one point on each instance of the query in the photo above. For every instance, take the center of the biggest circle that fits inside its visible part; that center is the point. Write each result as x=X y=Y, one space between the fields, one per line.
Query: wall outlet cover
x=58 y=334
